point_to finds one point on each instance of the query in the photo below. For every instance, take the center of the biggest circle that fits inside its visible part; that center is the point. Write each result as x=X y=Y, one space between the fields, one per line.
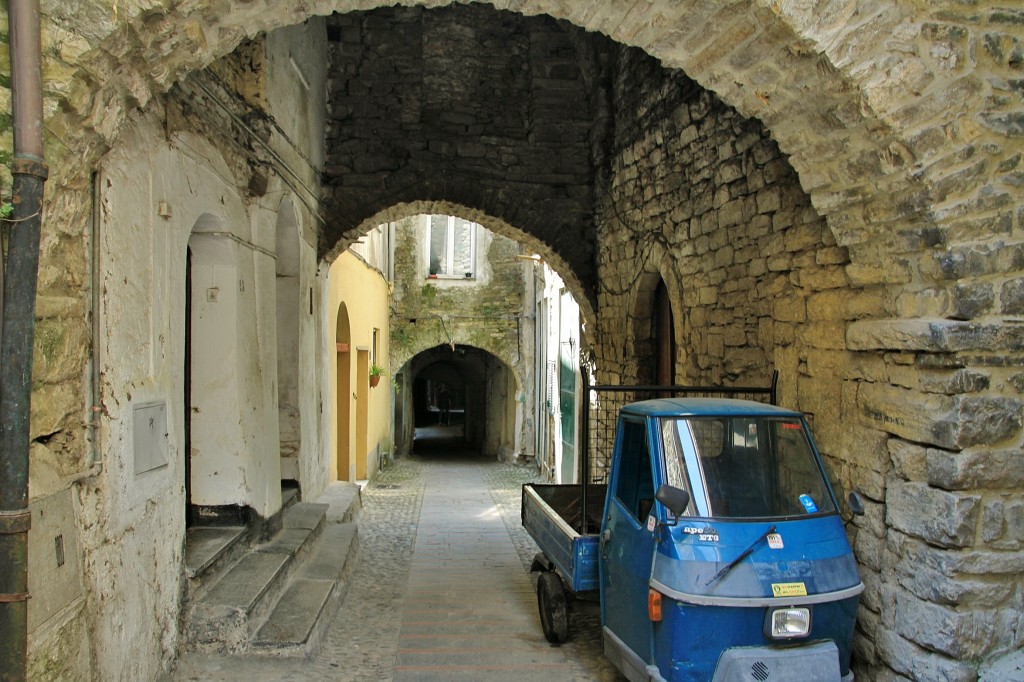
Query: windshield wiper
x=729 y=566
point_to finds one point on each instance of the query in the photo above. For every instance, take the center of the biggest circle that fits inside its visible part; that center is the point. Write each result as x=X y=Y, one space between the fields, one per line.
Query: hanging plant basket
x=376 y=372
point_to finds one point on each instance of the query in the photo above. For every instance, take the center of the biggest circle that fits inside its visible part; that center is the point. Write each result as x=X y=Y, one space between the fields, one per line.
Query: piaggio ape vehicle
x=721 y=553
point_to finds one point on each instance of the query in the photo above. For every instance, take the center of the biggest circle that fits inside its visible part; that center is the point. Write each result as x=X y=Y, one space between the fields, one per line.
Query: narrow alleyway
x=442 y=591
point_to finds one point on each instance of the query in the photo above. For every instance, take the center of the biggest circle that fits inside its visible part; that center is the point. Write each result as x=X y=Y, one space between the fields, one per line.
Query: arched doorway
x=289 y=312
x=663 y=334
x=343 y=402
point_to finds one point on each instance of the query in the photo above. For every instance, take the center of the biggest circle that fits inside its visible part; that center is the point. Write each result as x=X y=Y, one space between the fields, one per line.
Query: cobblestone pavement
x=363 y=643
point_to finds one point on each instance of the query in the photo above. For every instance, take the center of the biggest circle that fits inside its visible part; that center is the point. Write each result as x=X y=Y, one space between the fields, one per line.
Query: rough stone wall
x=484 y=313
x=902 y=120
x=427 y=106
x=193 y=155
x=701 y=197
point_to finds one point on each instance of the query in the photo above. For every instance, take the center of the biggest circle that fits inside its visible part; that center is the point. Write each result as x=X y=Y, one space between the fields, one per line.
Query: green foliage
x=400 y=337
x=376 y=370
x=428 y=292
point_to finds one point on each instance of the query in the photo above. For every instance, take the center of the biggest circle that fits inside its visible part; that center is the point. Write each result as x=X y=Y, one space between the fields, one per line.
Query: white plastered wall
x=296 y=72
x=133 y=544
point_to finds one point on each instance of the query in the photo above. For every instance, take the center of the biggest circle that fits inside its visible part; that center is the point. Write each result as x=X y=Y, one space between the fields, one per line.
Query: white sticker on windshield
x=775 y=541
x=650 y=523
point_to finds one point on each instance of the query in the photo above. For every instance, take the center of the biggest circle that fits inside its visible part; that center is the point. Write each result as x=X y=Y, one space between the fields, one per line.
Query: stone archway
x=891 y=288
x=763 y=58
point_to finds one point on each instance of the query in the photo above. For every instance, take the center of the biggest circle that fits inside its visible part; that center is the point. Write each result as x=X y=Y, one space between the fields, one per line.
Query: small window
x=635 y=485
x=451 y=247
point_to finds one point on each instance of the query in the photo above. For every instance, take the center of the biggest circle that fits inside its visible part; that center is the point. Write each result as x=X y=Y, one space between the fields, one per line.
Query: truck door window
x=635 y=485
x=675 y=474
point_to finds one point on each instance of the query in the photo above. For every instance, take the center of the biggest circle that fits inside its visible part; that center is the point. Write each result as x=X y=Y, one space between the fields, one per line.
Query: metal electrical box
x=149 y=436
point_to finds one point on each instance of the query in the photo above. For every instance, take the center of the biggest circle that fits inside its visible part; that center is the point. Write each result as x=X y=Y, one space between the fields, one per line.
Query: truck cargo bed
x=552 y=515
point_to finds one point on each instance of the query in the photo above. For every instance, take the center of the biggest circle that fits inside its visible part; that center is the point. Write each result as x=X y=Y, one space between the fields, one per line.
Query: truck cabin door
x=627 y=541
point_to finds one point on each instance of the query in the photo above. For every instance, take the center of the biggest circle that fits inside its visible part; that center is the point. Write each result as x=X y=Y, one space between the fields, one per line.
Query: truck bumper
x=818 y=661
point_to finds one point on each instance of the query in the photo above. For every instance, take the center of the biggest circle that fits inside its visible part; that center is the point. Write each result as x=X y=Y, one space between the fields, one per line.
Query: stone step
x=206 y=547
x=337 y=554
x=279 y=598
x=226 y=616
x=290 y=625
x=298 y=622
x=344 y=500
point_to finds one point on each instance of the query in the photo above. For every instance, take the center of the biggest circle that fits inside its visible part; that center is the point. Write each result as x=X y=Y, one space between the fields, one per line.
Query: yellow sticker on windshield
x=789 y=590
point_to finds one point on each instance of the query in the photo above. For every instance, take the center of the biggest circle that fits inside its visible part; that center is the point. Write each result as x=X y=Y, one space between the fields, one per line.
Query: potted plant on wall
x=376 y=372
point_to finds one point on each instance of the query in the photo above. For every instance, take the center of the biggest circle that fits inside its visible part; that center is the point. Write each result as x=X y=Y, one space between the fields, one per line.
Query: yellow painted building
x=360 y=413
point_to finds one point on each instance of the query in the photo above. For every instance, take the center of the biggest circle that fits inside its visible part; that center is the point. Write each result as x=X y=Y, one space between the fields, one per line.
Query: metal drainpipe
x=29 y=172
x=95 y=406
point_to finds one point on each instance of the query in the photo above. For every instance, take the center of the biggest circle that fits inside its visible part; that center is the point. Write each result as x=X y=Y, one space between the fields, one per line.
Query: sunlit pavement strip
x=469 y=611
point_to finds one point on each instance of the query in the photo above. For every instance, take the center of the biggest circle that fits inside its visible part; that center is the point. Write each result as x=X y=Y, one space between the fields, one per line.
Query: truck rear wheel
x=553 y=606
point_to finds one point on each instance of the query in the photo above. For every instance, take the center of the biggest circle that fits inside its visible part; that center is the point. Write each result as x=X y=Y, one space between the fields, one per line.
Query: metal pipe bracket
x=15 y=522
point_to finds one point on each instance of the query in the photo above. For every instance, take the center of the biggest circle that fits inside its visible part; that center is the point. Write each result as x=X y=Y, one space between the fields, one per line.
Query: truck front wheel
x=553 y=606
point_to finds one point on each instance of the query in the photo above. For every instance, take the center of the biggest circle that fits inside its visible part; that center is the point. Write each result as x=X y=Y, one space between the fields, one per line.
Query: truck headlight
x=788 y=623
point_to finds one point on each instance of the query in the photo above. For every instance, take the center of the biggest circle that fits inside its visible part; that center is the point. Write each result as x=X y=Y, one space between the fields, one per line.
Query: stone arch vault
x=892 y=134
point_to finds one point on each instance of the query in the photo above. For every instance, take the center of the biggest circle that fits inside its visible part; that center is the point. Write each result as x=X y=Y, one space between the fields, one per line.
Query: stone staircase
x=275 y=596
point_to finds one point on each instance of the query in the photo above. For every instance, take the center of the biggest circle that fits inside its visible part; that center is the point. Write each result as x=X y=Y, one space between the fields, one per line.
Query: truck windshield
x=745 y=467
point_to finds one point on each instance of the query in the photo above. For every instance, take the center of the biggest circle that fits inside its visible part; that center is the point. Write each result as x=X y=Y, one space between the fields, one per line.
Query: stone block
x=1002 y=523
x=953 y=381
x=957 y=632
x=864 y=274
x=823 y=335
x=868 y=549
x=995 y=469
x=832 y=363
x=769 y=200
x=915 y=663
x=939 y=517
x=790 y=309
x=972 y=300
x=950 y=422
x=917 y=570
x=1011 y=297
x=824 y=278
x=909 y=460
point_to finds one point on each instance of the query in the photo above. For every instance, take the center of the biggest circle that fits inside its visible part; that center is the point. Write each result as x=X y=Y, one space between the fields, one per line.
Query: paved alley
x=442 y=591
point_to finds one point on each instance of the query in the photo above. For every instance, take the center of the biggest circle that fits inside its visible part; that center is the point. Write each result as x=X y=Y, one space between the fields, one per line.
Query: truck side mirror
x=676 y=500
x=856 y=503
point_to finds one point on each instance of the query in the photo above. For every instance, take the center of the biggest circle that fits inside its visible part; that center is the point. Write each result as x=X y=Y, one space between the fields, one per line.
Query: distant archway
x=462 y=399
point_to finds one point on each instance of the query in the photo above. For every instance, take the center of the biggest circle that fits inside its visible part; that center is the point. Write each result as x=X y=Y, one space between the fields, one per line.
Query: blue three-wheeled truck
x=715 y=545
